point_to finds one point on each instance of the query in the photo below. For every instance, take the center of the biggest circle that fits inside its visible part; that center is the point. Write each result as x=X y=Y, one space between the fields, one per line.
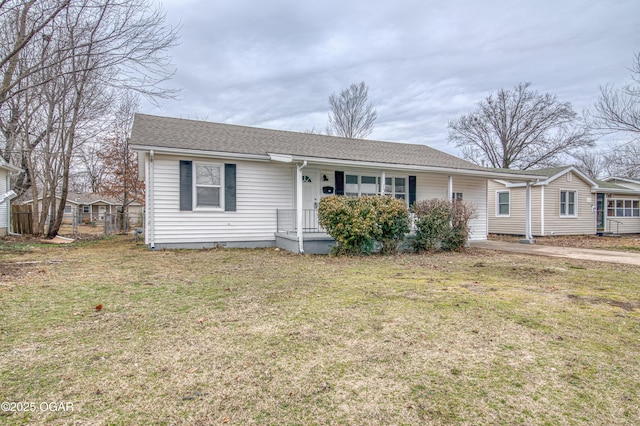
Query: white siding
x=4 y=207
x=261 y=188
x=474 y=191
x=264 y=187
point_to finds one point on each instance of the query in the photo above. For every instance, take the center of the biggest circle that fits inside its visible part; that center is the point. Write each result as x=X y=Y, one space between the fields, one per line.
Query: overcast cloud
x=274 y=63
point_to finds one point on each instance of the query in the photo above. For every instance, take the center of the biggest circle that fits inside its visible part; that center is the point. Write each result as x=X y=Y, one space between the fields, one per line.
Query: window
x=370 y=185
x=568 y=203
x=456 y=196
x=503 y=203
x=85 y=209
x=623 y=208
x=207 y=185
x=351 y=186
x=67 y=209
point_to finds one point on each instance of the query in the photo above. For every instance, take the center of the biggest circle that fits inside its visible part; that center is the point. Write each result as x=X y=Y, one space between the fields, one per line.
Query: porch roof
x=189 y=136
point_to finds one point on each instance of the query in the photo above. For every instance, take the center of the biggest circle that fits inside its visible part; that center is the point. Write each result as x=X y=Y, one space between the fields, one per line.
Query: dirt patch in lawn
x=627 y=242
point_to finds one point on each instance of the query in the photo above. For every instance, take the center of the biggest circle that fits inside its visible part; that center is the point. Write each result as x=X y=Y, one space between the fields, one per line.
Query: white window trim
x=194 y=187
x=575 y=207
x=508 y=191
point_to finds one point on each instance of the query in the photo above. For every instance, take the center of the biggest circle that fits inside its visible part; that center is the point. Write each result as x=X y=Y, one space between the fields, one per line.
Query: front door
x=310 y=200
x=101 y=212
x=600 y=213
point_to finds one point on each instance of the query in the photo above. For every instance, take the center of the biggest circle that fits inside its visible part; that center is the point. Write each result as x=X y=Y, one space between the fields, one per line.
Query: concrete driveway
x=567 y=252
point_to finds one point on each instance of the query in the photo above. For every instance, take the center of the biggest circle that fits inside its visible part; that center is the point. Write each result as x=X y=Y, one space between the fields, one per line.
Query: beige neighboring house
x=89 y=207
x=567 y=202
x=6 y=195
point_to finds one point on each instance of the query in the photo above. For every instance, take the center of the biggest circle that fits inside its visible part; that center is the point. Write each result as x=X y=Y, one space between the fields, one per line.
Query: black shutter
x=186 y=185
x=412 y=190
x=230 y=187
x=339 y=183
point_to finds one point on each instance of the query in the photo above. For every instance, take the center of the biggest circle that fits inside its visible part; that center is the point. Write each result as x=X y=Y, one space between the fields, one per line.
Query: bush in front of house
x=358 y=223
x=441 y=224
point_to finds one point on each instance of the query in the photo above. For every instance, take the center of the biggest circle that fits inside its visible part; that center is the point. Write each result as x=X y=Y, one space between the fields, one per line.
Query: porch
x=315 y=238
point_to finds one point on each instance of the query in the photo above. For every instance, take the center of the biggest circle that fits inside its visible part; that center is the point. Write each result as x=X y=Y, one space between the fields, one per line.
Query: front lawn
x=269 y=337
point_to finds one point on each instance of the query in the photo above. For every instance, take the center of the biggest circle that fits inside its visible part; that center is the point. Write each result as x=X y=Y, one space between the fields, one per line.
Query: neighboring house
x=6 y=195
x=90 y=207
x=210 y=184
x=566 y=202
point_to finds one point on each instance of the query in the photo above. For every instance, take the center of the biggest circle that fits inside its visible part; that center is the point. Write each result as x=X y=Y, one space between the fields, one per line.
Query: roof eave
x=334 y=162
x=200 y=153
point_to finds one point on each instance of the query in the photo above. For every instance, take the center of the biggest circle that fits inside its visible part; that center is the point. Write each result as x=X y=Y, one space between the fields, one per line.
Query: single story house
x=91 y=207
x=565 y=202
x=211 y=184
x=6 y=195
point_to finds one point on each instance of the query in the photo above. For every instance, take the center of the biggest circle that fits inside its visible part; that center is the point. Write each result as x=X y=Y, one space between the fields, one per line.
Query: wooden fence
x=22 y=219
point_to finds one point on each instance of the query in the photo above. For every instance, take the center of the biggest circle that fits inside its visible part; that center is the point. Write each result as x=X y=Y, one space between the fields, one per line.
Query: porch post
x=451 y=200
x=299 y=234
x=528 y=237
x=383 y=178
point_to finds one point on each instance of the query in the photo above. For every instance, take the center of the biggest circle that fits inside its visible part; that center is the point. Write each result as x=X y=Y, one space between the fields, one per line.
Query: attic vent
x=569 y=176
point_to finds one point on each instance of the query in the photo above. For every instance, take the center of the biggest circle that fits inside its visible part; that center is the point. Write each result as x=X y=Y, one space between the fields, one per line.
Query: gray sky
x=274 y=63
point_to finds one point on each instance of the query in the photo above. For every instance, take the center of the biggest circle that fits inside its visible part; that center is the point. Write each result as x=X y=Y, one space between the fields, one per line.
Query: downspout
x=383 y=178
x=299 y=168
x=150 y=213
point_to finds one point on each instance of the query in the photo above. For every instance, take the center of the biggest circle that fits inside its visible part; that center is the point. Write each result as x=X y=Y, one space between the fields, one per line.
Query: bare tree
x=22 y=20
x=624 y=160
x=618 y=111
x=593 y=162
x=91 y=170
x=117 y=45
x=61 y=84
x=519 y=128
x=119 y=161
x=351 y=116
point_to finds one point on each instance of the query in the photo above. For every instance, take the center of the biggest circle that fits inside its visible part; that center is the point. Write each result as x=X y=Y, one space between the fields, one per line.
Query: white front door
x=101 y=211
x=309 y=201
x=309 y=190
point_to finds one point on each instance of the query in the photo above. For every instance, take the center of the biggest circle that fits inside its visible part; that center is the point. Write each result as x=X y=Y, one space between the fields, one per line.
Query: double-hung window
x=568 y=203
x=503 y=202
x=208 y=185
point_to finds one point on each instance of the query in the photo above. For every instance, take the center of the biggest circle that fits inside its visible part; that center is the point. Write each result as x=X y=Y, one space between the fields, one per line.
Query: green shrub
x=441 y=224
x=357 y=223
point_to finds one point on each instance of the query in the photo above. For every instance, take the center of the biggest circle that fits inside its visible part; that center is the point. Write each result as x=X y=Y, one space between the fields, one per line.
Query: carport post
x=528 y=237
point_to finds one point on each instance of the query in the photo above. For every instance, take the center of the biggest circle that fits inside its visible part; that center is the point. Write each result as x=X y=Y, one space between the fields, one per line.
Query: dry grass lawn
x=268 y=337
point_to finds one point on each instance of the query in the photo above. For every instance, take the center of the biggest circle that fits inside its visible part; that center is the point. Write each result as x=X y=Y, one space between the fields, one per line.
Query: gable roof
x=183 y=135
x=552 y=173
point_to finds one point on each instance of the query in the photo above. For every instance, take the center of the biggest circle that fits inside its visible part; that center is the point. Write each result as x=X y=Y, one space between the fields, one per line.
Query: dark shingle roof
x=178 y=133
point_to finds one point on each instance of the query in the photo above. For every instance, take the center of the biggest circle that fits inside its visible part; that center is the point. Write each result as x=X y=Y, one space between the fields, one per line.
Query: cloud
x=274 y=64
